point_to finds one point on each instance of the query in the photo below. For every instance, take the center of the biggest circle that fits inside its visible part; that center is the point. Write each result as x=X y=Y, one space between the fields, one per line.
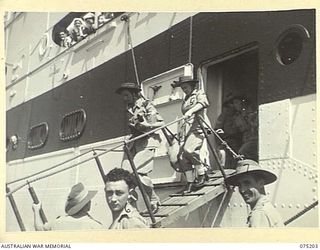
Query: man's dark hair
x=119 y=174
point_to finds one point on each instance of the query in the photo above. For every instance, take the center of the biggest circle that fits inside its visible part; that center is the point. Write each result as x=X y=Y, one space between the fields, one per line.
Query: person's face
x=117 y=193
x=90 y=20
x=187 y=88
x=237 y=104
x=101 y=19
x=14 y=140
x=62 y=35
x=127 y=96
x=250 y=189
x=77 y=23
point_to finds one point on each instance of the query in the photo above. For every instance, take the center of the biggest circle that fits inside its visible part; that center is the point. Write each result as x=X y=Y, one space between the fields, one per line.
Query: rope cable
x=223 y=142
x=190 y=40
x=126 y=18
x=301 y=213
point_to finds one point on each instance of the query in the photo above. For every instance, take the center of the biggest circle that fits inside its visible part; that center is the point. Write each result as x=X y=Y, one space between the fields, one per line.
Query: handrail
x=140 y=185
x=223 y=142
x=58 y=171
x=91 y=158
x=200 y=120
x=45 y=170
x=15 y=210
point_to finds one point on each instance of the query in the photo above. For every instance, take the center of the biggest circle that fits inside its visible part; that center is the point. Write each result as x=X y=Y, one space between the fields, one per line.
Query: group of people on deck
x=81 y=27
x=143 y=118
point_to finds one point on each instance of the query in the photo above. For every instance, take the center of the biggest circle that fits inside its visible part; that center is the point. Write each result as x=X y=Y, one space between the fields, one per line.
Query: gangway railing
x=124 y=145
x=34 y=177
x=121 y=144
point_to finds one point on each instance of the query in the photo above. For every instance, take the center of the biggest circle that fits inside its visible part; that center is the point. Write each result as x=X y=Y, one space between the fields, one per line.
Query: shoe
x=201 y=181
x=188 y=189
x=155 y=207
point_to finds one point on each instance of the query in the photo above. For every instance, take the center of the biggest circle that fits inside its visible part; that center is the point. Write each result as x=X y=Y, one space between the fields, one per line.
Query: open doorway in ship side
x=231 y=84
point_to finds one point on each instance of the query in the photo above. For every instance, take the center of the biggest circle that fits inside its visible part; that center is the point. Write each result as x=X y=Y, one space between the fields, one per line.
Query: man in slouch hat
x=251 y=179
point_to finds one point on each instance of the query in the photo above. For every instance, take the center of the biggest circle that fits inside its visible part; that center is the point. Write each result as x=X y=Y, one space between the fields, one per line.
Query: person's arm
x=38 y=225
x=202 y=102
x=133 y=222
x=194 y=110
x=150 y=118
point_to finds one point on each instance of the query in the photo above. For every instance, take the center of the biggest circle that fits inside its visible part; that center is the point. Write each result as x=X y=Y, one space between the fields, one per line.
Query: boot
x=154 y=202
x=188 y=188
x=155 y=207
x=201 y=181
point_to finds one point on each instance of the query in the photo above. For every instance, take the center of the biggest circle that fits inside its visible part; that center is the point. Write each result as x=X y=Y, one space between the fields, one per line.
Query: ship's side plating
x=45 y=82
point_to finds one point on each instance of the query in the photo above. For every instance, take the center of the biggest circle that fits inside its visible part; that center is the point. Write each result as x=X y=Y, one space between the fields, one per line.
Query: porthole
x=290 y=44
x=38 y=135
x=72 y=125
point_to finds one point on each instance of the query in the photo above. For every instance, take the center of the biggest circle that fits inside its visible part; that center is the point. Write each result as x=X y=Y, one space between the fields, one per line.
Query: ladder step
x=155 y=215
x=174 y=204
x=211 y=184
x=189 y=194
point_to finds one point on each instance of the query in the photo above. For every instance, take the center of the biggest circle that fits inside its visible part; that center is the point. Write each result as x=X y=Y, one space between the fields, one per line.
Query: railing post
x=164 y=131
x=143 y=192
x=234 y=154
x=199 y=120
x=99 y=166
x=15 y=210
x=36 y=201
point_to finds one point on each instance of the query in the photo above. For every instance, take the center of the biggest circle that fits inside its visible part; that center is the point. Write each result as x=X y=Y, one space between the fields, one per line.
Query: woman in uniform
x=194 y=104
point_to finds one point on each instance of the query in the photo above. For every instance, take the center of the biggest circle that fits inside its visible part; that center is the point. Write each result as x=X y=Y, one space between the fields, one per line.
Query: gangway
x=172 y=208
x=179 y=205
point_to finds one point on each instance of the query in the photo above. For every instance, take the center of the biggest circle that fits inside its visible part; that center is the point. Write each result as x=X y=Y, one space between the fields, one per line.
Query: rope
x=223 y=142
x=127 y=20
x=91 y=158
x=301 y=213
x=190 y=40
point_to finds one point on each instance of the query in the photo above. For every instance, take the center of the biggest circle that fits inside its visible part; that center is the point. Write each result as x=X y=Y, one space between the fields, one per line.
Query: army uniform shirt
x=143 y=110
x=264 y=214
x=129 y=218
x=67 y=222
x=197 y=96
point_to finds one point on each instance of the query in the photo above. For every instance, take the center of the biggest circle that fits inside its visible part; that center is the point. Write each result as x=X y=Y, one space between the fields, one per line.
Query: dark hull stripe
x=214 y=34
